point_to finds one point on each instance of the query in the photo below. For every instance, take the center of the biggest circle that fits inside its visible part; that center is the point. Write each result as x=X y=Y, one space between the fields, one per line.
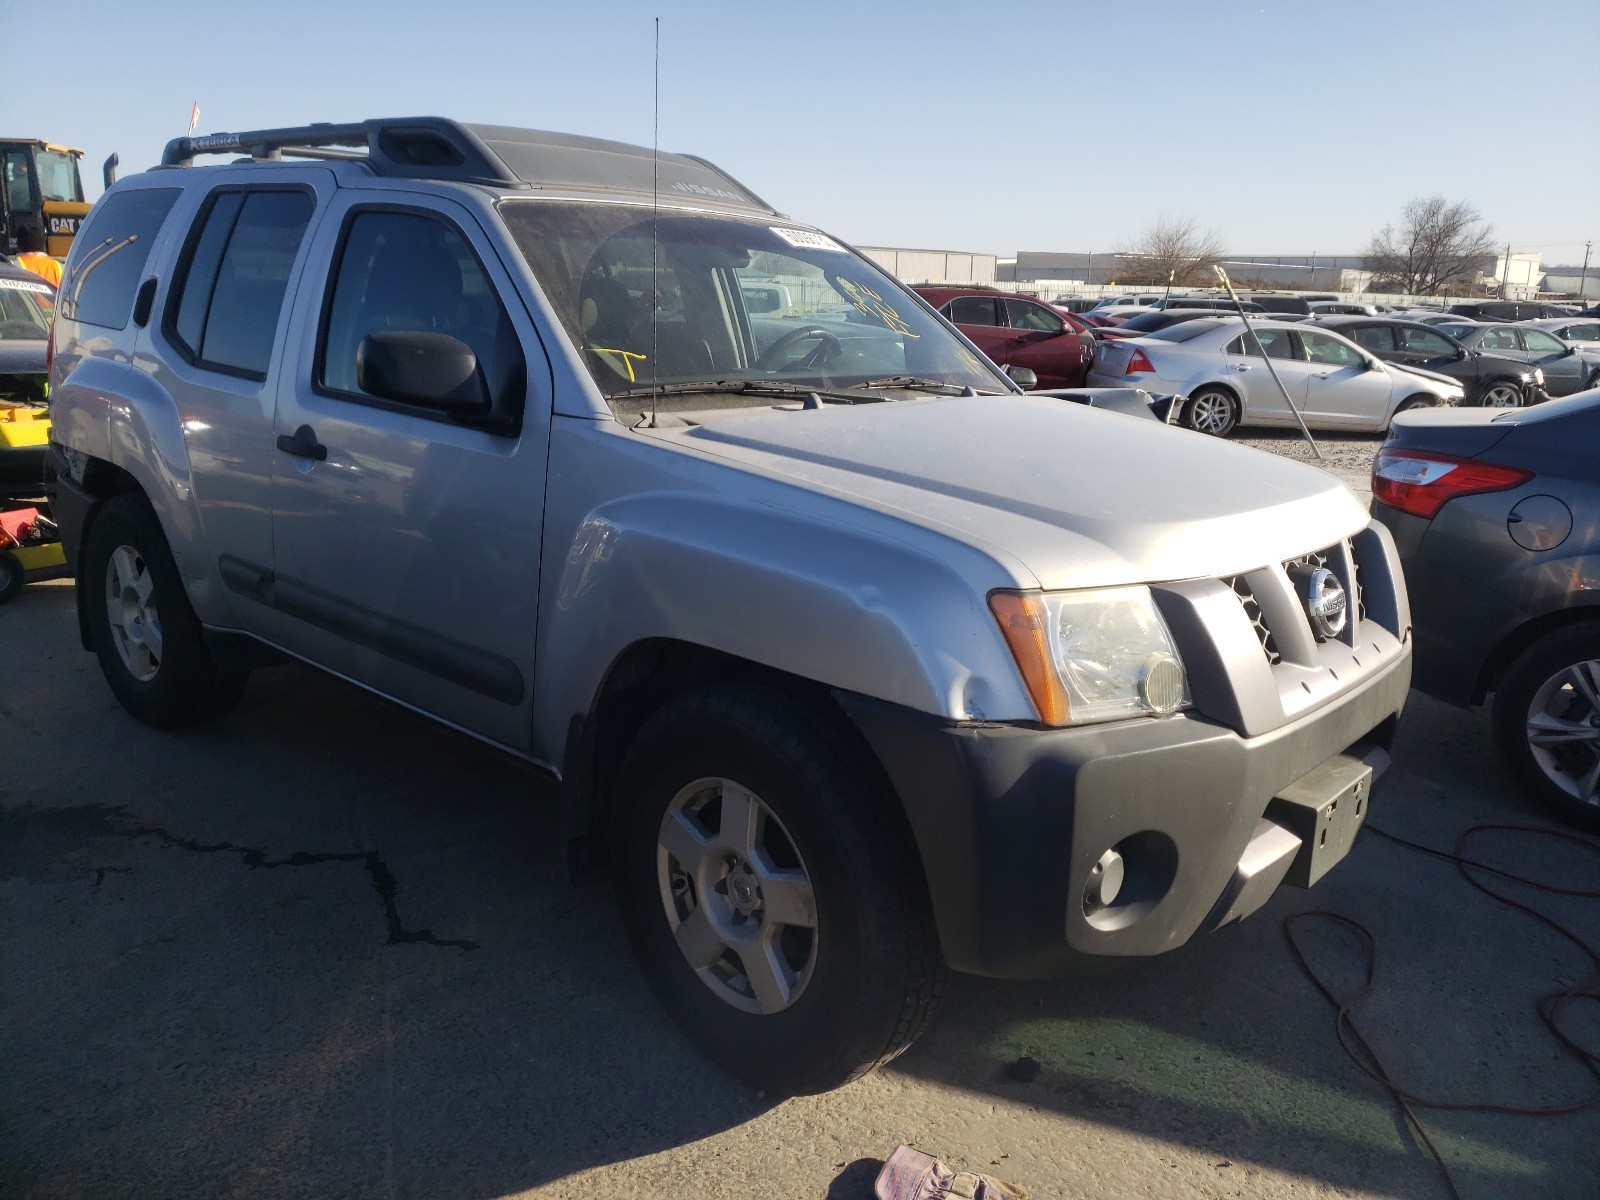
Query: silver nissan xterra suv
x=854 y=662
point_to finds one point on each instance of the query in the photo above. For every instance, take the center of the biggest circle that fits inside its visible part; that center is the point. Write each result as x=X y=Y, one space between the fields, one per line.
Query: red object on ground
x=16 y=523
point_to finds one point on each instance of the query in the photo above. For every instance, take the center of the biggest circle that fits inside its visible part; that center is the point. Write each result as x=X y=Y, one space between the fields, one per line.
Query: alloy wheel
x=1563 y=730
x=1211 y=412
x=737 y=896
x=132 y=612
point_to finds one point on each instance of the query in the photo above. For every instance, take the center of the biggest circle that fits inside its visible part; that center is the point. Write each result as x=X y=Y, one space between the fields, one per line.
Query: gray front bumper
x=1011 y=821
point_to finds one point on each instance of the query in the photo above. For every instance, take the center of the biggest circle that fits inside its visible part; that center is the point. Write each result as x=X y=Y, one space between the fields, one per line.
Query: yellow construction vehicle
x=40 y=186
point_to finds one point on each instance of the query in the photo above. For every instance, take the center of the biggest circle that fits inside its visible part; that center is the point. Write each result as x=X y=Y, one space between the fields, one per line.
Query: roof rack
x=499 y=156
x=409 y=147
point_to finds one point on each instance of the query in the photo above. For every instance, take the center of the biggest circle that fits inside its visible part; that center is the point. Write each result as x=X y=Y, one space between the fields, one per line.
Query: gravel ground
x=1349 y=456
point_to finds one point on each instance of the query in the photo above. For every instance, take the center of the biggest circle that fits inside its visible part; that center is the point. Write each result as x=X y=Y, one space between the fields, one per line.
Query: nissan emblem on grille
x=1324 y=600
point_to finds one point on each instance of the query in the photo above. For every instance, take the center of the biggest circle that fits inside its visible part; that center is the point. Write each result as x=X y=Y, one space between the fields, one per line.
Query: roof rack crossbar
x=408 y=147
x=181 y=152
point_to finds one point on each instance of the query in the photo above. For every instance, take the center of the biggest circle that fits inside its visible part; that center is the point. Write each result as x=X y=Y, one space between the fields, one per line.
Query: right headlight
x=1101 y=655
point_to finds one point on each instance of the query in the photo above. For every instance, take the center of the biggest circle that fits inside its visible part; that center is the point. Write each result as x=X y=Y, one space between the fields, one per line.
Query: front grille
x=1270 y=601
x=1247 y=601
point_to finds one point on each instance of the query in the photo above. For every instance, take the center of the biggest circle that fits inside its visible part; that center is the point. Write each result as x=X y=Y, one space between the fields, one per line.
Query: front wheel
x=770 y=890
x=1418 y=402
x=149 y=641
x=1547 y=719
x=1212 y=410
x=1502 y=393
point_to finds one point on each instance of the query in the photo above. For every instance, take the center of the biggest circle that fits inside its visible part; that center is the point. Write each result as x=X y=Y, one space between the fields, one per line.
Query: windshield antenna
x=655 y=235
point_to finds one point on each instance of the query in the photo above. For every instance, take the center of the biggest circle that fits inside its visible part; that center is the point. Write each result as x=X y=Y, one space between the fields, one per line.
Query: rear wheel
x=1212 y=410
x=148 y=639
x=1547 y=719
x=1502 y=393
x=770 y=891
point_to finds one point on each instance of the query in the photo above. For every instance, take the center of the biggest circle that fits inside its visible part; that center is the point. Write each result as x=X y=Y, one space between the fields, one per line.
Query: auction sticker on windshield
x=807 y=239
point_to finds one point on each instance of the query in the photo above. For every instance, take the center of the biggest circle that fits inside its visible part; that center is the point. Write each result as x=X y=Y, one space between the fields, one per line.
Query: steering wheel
x=774 y=353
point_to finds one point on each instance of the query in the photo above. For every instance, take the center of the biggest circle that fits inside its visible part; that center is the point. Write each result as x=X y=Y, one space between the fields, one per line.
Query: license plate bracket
x=1325 y=809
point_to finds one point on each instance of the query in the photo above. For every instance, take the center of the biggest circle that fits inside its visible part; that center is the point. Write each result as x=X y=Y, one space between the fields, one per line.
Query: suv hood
x=1073 y=496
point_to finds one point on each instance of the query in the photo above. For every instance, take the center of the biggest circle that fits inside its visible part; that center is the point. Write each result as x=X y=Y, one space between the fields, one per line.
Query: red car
x=1016 y=332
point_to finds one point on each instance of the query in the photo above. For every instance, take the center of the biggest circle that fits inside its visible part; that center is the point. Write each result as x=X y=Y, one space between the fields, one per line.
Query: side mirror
x=1462 y=352
x=1022 y=377
x=434 y=370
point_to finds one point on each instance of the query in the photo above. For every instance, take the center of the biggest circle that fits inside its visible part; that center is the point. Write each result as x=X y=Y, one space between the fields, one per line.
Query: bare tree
x=1438 y=243
x=1170 y=249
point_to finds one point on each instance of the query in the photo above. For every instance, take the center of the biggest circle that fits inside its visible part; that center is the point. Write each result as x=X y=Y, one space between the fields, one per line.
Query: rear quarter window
x=1182 y=332
x=109 y=254
x=233 y=281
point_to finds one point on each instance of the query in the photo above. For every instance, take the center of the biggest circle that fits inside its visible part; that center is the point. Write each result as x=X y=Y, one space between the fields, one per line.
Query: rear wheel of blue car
x=1547 y=718
x=770 y=890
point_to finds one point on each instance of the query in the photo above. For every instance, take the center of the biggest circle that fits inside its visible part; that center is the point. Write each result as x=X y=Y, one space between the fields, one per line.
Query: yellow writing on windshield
x=869 y=303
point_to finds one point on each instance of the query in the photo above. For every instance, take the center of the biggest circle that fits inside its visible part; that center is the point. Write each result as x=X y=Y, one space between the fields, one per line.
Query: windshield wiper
x=918 y=383
x=745 y=387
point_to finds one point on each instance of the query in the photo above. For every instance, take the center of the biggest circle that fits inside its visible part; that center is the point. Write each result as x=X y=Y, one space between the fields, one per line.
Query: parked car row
x=1233 y=375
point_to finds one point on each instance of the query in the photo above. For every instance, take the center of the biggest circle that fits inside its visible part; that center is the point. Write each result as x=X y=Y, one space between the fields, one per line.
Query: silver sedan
x=1225 y=373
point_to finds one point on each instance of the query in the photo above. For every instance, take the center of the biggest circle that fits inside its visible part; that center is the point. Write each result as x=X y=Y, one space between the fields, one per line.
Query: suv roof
x=493 y=155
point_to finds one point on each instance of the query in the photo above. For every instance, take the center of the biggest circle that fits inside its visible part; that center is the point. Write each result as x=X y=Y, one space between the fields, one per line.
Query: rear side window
x=233 y=279
x=109 y=254
x=1377 y=338
x=972 y=310
x=1426 y=341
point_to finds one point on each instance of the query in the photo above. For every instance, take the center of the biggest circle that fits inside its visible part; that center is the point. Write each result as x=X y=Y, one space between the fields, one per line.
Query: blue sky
x=1284 y=126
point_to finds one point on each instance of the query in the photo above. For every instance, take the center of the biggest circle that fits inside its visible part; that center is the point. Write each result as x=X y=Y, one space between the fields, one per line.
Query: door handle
x=303 y=444
x=1242 y=367
x=1326 y=375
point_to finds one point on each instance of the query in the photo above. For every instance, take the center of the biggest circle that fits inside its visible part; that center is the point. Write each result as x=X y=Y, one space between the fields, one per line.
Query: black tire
x=159 y=667
x=866 y=978
x=1541 y=683
x=11 y=578
x=1212 y=410
x=1411 y=402
x=1502 y=393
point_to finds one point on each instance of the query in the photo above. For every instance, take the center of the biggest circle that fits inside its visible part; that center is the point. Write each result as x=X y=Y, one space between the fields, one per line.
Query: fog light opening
x=1129 y=880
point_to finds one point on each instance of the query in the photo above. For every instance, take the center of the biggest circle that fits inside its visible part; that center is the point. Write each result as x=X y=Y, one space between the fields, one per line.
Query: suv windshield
x=729 y=301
